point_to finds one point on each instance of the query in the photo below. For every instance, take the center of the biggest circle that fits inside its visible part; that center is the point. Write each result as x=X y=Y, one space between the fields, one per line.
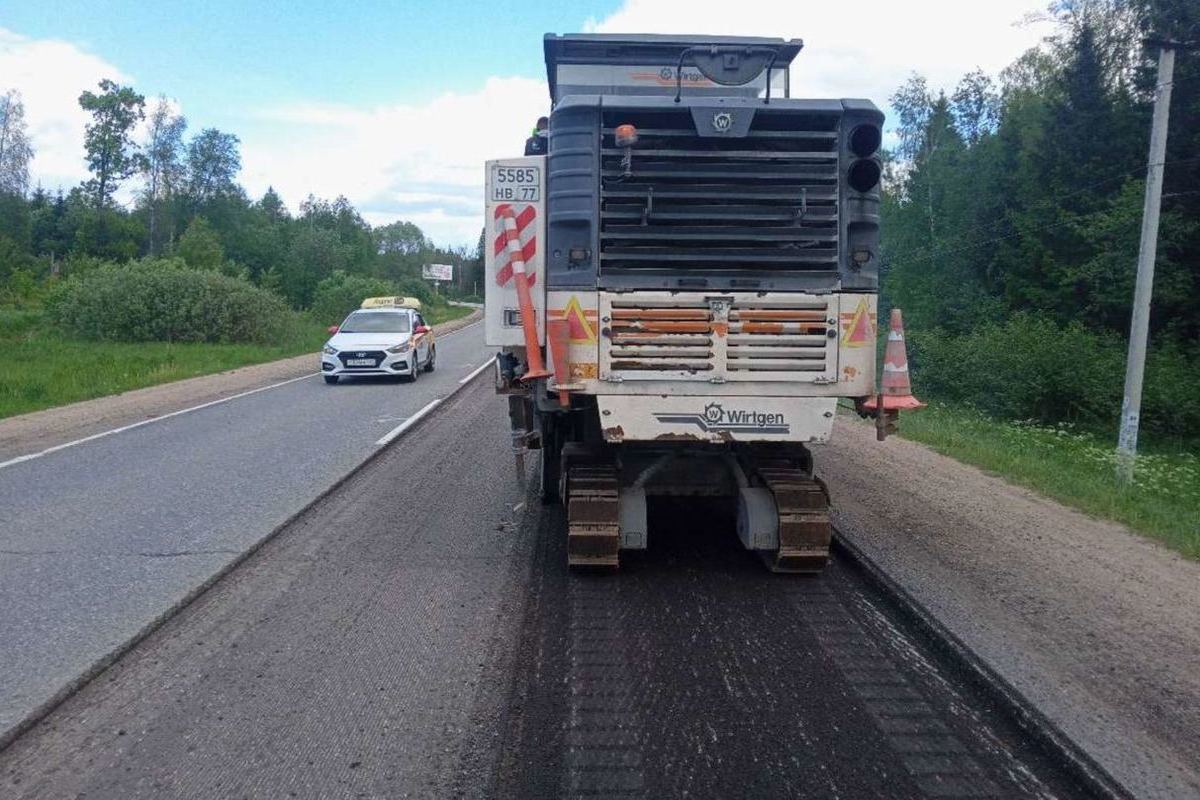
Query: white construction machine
x=684 y=287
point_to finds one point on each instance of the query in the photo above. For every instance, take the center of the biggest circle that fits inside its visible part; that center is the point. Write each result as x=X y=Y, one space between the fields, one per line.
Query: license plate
x=360 y=362
x=517 y=183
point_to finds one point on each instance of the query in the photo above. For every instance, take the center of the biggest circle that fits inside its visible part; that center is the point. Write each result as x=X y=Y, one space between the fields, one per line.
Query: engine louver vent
x=742 y=205
x=680 y=337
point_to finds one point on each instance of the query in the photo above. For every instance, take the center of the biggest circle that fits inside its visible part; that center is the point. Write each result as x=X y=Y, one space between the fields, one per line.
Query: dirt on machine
x=684 y=287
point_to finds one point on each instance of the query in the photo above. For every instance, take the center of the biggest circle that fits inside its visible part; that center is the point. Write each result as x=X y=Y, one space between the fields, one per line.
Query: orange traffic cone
x=895 y=387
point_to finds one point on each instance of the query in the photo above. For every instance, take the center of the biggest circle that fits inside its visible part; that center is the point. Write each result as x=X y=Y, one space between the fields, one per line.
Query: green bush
x=17 y=322
x=341 y=293
x=1171 y=397
x=164 y=300
x=199 y=246
x=21 y=290
x=1031 y=367
x=415 y=287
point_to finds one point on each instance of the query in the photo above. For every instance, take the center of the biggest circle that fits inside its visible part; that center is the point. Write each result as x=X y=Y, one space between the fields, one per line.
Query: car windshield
x=375 y=322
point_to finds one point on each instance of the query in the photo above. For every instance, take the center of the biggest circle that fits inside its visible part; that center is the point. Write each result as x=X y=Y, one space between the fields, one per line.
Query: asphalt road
x=430 y=643
x=100 y=540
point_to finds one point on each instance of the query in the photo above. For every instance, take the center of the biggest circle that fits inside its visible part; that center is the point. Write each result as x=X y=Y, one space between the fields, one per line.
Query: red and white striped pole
x=516 y=259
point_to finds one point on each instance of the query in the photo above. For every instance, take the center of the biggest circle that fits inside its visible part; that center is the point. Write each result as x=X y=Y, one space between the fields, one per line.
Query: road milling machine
x=684 y=286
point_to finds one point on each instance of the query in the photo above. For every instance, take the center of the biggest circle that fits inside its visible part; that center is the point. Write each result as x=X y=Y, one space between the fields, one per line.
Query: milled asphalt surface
x=437 y=647
x=696 y=673
x=98 y=541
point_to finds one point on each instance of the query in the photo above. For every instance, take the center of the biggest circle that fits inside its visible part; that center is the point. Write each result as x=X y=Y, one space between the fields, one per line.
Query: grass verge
x=1076 y=468
x=436 y=315
x=46 y=369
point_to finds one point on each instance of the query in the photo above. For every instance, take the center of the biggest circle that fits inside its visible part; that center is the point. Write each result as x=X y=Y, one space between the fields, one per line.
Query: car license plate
x=516 y=183
x=360 y=362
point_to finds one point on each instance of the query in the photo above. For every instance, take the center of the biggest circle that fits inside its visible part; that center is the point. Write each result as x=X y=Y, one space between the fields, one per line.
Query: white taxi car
x=387 y=336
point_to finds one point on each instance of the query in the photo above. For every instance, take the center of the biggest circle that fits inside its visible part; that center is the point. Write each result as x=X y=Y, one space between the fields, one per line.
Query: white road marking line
x=123 y=428
x=478 y=370
x=408 y=423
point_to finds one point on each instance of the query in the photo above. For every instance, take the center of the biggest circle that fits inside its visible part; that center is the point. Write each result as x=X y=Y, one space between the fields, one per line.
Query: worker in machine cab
x=536 y=144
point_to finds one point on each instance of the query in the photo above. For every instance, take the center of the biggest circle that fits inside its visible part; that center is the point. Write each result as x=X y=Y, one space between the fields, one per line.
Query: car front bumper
x=398 y=364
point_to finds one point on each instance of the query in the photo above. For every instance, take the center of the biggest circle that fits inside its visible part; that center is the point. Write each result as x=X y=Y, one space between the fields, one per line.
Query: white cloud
x=865 y=48
x=422 y=163
x=50 y=75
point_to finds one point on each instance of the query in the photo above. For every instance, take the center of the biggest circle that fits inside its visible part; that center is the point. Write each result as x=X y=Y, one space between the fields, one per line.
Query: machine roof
x=647 y=49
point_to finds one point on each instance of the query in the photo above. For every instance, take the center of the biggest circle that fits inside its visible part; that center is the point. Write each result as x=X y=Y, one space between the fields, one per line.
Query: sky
x=396 y=105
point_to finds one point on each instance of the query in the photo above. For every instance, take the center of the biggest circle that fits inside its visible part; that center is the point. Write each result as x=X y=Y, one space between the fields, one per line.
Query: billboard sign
x=437 y=272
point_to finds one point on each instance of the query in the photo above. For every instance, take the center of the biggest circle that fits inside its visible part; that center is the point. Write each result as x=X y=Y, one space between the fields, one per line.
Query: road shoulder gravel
x=31 y=433
x=1095 y=625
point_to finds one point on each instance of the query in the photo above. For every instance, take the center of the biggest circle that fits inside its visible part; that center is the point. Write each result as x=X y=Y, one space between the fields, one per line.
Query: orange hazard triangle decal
x=581 y=329
x=856 y=327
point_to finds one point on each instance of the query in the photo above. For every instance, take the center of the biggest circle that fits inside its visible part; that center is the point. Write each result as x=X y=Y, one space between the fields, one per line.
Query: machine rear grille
x=685 y=338
x=755 y=204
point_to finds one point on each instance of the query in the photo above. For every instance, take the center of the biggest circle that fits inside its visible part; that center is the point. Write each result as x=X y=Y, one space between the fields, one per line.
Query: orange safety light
x=626 y=135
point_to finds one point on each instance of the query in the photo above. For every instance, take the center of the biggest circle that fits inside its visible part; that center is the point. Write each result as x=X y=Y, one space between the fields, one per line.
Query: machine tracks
x=593 y=512
x=802 y=510
x=785 y=504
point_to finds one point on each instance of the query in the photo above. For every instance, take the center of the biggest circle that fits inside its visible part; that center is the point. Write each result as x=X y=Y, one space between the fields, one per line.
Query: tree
x=314 y=254
x=163 y=167
x=403 y=238
x=46 y=224
x=913 y=107
x=15 y=222
x=975 y=105
x=107 y=232
x=1073 y=154
x=112 y=155
x=200 y=247
x=15 y=149
x=271 y=205
x=341 y=219
x=1179 y=20
x=213 y=162
x=1114 y=30
x=1081 y=151
x=354 y=234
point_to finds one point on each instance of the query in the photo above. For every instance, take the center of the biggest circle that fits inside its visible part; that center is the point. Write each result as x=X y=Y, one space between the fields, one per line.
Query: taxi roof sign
x=398 y=301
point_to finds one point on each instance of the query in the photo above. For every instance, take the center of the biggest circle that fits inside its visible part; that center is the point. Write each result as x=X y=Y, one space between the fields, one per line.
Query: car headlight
x=329 y=351
x=400 y=348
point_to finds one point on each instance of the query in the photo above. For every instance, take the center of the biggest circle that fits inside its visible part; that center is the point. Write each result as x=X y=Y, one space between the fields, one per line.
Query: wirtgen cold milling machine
x=684 y=287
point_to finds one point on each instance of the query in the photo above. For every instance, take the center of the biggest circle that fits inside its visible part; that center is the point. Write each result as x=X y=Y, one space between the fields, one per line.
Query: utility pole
x=1131 y=404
